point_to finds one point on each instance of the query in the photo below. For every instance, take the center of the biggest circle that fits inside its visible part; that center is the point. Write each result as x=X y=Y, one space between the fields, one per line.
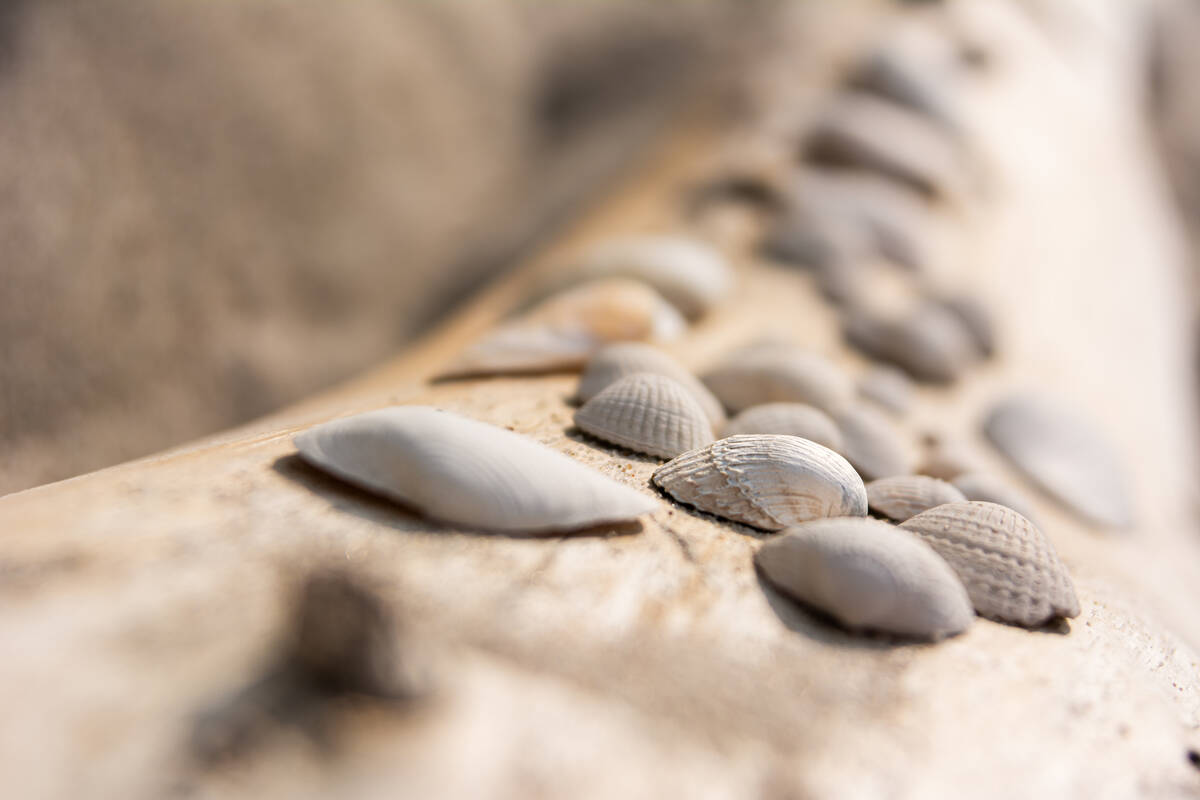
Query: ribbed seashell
x=563 y=331
x=468 y=473
x=868 y=574
x=690 y=274
x=887 y=387
x=902 y=496
x=647 y=413
x=778 y=374
x=618 y=360
x=1064 y=455
x=988 y=488
x=871 y=443
x=1009 y=567
x=793 y=419
x=768 y=481
x=931 y=345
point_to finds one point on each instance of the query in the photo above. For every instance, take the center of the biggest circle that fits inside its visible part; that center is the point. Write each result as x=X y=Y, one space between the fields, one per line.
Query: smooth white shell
x=794 y=419
x=872 y=443
x=618 y=360
x=775 y=373
x=467 y=472
x=904 y=496
x=646 y=413
x=868 y=574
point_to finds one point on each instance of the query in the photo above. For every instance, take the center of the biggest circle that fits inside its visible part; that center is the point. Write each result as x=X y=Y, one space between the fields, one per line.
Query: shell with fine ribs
x=619 y=360
x=646 y=413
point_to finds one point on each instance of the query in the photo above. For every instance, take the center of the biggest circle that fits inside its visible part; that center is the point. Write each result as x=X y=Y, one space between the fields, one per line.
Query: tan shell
x=794 y=419
x=904 y=496
x=987 y=487
x=468 y=473
x=1063 y=455
x=1009 y=567
x=618 y=360
x=871 y=443
x=930 y=345
x=562 y=332
x=888 y=388
x=768 y=481
x=646 y=413
x=868 y=574
x=778 y=374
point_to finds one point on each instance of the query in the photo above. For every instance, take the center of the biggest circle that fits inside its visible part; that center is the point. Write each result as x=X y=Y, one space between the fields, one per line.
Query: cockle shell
x=1064 y=455
x=887 y=387
x=690 y=274
x=768 y=481
x=564 y=331
x=868 y=574
x=930 y=345
x=902 y=496
x=647 y=413
x=618 y=360
x=468 y=473
x=987 y=487
x=793 y=419
x=871 y=443
x=776 y=373
x=1009 y=567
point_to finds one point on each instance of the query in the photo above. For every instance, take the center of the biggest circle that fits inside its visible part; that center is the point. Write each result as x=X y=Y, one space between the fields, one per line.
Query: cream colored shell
x=776 y=373
x=888 y=388
x=646 y=413
x=794 y=419
x=618 y=360
x=872 y=443
x=904 y=496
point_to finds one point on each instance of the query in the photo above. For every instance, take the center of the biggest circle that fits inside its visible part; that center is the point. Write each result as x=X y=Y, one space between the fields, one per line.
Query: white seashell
x=793 y=419
x=468 y=473
x=562 y=332
x=887 y=387
x=871 y=443
x=618 y=360
x=768 y=481
x=778 y=374
x=868 y=574
x=930 y=345
x=1009 y=567
x=1063 y=455
x=904 y=496
x=647 y=413
x=691 y=275
x=988 y=488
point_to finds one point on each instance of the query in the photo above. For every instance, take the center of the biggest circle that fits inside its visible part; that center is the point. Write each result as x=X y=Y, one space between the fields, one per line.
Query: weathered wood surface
x=654 y=663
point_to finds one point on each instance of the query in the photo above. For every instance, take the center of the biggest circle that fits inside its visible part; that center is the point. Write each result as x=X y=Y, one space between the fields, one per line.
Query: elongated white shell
x=872 y=443
x=774 y=374
x=468 y=473
x=648 y=414
x=868 y=574
x=794 y=419
x=987 y=487
x=768 y=481
x=618 y=360
x=904 y=496
x=1009 y=567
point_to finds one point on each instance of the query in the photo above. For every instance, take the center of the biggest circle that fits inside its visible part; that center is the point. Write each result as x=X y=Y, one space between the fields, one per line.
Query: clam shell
x=778 y=374
x=931 y=345
x=565 y=330
x=871 y=443
x=1064 y=455
x=888 y=388
x=1009 y=567
x=618 y=360
x=904 y=496
x=868 y=574
x=647 y=413
x=793 y=419
x=768 y=481
x=987 y=487
x=468 y=473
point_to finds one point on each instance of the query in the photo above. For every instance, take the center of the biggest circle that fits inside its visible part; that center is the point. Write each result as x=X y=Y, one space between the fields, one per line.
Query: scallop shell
x=871 y=443
x=691 y=275
x=772 y=374
x=562 y=332
x=931 y=345
x=887 y=387
x=618 y=360
x=768 y=481
x=468 y=473
x=1009 y=567
x=868 y=574
x=647 y=413
x=793 y=419
x=987 y=487
x=1064 y=455
x=904 y=496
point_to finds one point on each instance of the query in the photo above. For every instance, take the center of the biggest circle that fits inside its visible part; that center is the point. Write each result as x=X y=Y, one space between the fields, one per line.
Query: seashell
x=871 y=443
x=647 y=413
x=887 y=387
x=947 y=458
x=975 y=319
x=1064 y=455
x=793 y=419
x=691 y=275
x=562 y=332
x=904 y=496
x=930 y=345
x=899 y=71
x=868 y=574
x=618 y=360
x=468 y=473
x=768 y=481
x=987 y=487
x=784 y=374
x=1009 y=567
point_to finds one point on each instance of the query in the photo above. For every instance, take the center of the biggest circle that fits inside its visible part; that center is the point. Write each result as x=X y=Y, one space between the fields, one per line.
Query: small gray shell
x=775 y=374
x=868 y=574
x=1009 y=567
x=987 y=487
x=646 y=413
x=768 y=481
x=794 y=419
x=887 y=387
x=872 y=443
x=904 y=496
x=618 y=360
x=930 y=345
x=467 y=472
